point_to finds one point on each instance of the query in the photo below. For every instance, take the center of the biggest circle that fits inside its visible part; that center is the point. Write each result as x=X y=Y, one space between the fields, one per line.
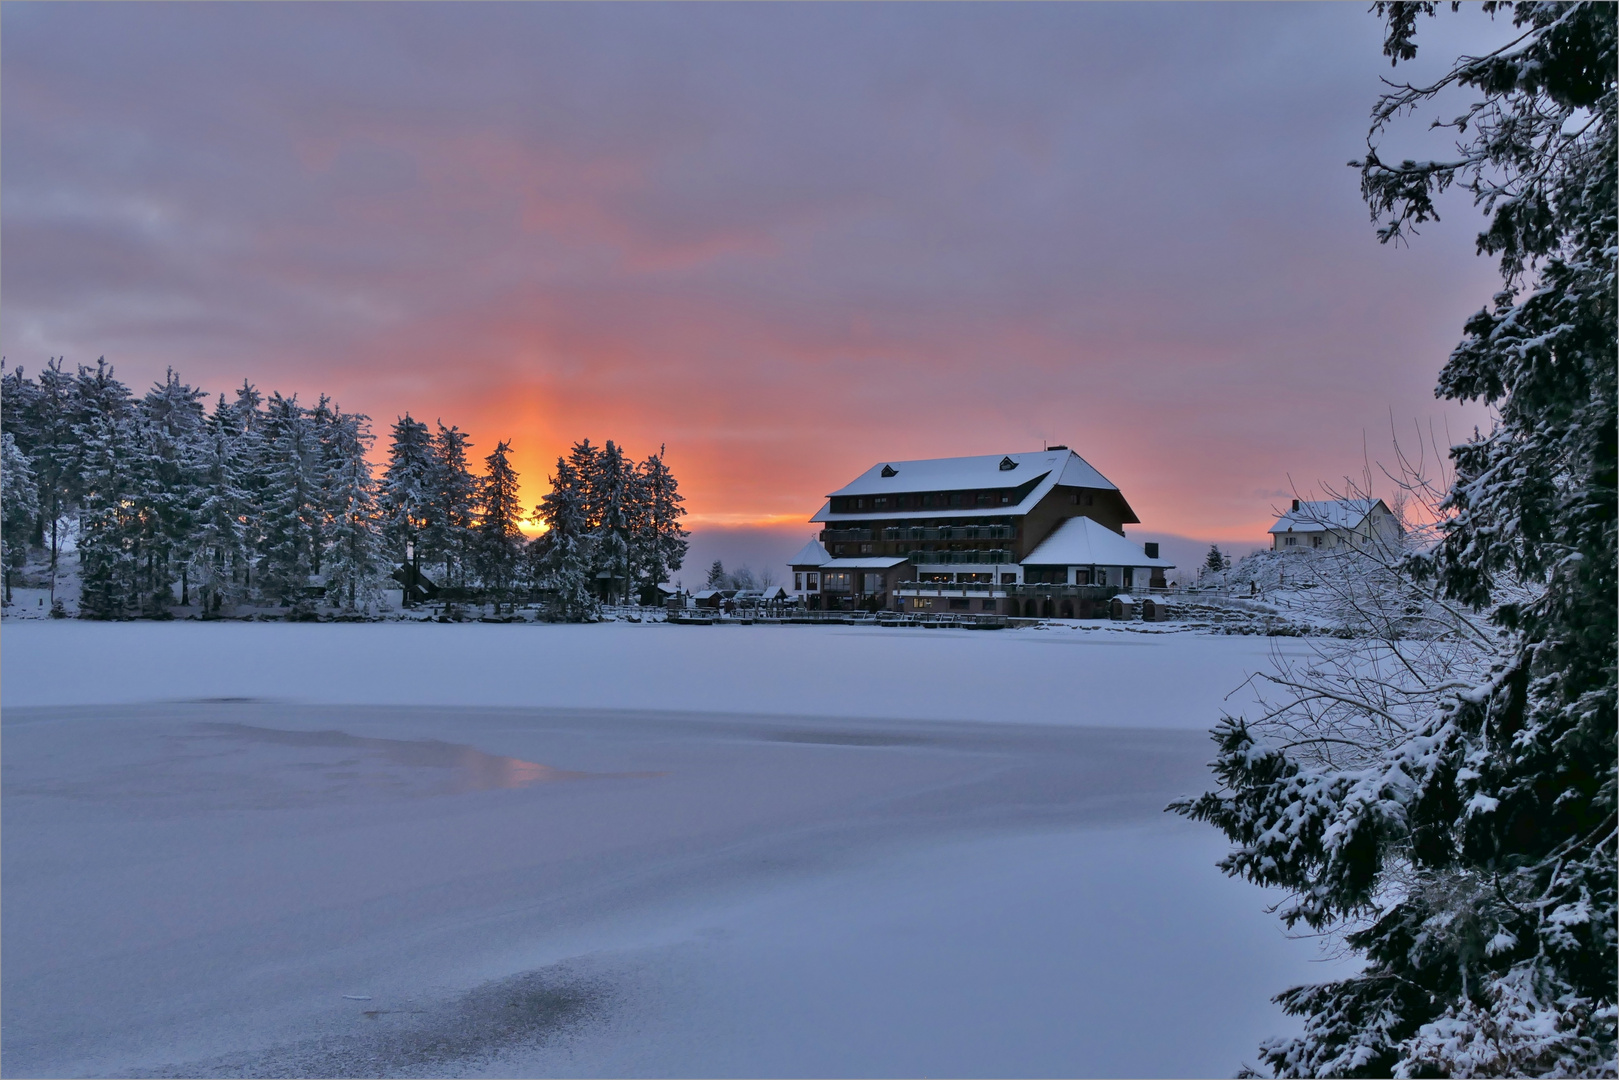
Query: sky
x=783 y=241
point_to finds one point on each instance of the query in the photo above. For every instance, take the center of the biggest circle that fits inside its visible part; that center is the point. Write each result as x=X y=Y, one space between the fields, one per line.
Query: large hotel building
x=1036 y=534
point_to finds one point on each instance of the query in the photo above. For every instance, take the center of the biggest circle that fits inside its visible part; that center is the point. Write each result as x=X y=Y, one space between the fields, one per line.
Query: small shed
x=1125 y=607
x=1154 y=609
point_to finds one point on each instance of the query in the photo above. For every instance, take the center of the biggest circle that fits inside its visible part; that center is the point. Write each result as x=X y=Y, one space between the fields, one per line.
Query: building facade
x=1012 y=534
x=1333 y=523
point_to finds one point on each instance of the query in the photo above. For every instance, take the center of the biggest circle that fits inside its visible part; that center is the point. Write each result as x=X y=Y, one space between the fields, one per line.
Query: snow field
x=853 y=878
x=1092 y=676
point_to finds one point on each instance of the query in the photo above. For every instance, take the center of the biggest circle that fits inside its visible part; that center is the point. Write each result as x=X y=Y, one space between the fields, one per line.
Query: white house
x=1313 y=525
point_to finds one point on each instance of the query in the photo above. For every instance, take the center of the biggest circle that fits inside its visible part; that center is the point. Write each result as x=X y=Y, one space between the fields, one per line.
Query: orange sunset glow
x=769 y=239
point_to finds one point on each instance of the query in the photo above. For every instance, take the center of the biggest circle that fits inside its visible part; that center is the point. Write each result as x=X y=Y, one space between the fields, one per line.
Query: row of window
x=854 y=504
x=835 y=581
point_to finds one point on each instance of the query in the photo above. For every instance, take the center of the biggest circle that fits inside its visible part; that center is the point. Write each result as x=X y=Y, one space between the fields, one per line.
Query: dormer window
x=1007 y=464
x=889 y=470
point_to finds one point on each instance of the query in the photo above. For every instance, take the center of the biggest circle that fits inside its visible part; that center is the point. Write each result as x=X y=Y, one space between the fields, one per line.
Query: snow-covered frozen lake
x=621 y=850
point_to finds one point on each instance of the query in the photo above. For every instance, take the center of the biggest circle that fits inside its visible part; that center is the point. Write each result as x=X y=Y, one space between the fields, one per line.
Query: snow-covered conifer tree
x=1466 y=840
x=219 y=547
x=290 y=468
x=169 y=430
x=108 y=518
x=19 y=507
x=500 y=540
x=569 y=560
x=406 y=501
x=353 y=558
x=448 y=534
x=662 y=542
x=613 y=486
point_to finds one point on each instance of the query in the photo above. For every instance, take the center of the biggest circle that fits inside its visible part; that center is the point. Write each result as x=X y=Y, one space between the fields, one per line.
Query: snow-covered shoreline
x=1061 y=675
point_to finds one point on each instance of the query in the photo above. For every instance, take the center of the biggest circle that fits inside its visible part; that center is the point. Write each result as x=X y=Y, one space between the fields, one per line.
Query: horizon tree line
x=270 y=501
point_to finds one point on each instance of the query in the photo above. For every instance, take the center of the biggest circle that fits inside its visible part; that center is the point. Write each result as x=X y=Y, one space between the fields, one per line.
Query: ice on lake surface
x=444 y=867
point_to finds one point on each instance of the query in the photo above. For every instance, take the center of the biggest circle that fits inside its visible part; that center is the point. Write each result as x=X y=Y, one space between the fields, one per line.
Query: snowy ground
x=621 y=850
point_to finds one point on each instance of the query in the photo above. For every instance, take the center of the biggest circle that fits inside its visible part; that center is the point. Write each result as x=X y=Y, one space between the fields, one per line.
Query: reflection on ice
x=467 y=767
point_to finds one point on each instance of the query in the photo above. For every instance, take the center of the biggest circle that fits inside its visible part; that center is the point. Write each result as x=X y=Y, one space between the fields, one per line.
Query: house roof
x=811 y=554
x=1048 y=467
x=1080 y=541
x=871 y=562
x=973 y=473
x=1324 y=514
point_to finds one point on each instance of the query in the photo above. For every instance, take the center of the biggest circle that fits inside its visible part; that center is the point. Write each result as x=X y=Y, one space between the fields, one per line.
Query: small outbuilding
x=1125 y=607
x=1154 y=609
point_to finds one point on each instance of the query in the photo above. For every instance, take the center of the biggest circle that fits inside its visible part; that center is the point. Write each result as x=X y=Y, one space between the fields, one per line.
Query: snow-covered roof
x=1049 y=467
x=1323 y=514
x=1080 y=541
x=974 y=473
x=811 y=554
x=871 y=562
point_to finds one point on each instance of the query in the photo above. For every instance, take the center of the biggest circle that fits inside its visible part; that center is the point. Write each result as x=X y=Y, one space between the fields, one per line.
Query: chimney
x=1295 y=504
x=1151 y=550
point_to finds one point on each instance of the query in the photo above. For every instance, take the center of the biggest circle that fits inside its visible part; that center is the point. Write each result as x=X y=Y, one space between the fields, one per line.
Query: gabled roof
x=1079 y=541
x=811 y=554
x=1048 y=468
x=1324 y=514
x=870 y=562
x=974 y=473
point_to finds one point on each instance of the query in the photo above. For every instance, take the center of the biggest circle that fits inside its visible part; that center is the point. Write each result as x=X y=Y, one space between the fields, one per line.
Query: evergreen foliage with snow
x=19 y=506
x=269 y=501
x=1448 y=802
x=568 y=548
x=500 y=513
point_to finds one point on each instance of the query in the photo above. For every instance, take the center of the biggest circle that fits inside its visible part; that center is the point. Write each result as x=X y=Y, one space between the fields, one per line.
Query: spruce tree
x=717 y=577
x=169 y=428
x=663 y=541
x=452 y=492
x=108 y=524
x=353 y=559
x=219 y=546
x=613 y=486
x=19 y=507
x=290 y=470
x=500 y=540
x=569 y=560
x=1469 y=848
x=406 y=497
